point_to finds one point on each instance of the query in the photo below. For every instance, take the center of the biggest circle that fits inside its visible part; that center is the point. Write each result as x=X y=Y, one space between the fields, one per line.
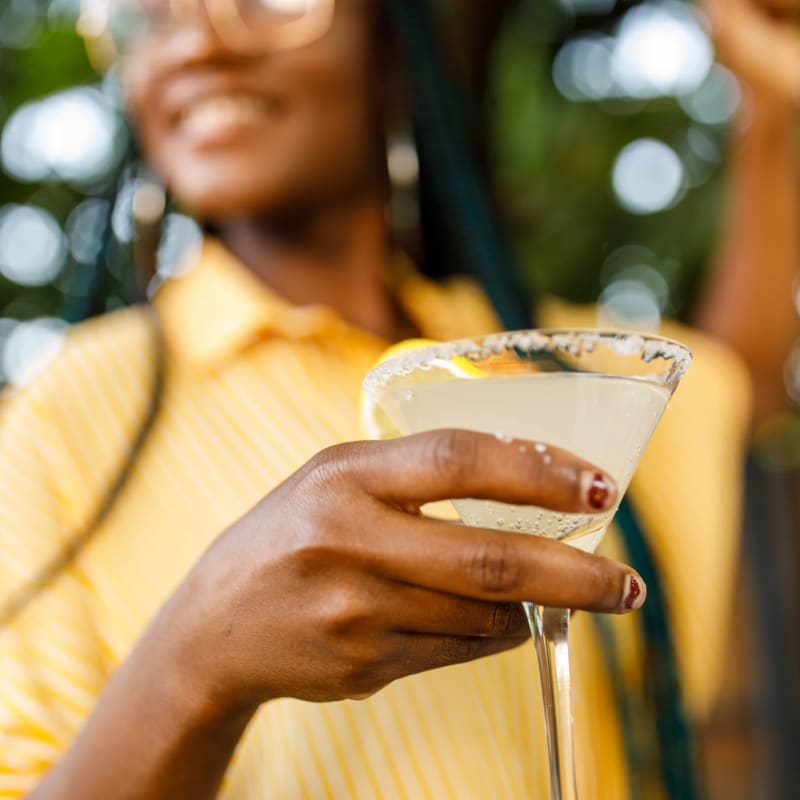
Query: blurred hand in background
x=749 y=300
x=760 y=41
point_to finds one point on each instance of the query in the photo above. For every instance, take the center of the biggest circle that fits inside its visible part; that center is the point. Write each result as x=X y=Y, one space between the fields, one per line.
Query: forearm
x=748 y=302
x=155 y=733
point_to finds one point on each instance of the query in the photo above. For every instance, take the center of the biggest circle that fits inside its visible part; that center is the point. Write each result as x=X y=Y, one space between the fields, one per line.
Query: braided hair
x=459 y=228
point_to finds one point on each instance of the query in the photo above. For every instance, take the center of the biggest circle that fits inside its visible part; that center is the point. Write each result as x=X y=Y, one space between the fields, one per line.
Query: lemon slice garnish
x=374 y=421
x=376 y=424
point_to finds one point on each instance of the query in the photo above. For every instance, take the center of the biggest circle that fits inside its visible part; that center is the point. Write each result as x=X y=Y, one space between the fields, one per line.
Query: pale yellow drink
x=604 y=419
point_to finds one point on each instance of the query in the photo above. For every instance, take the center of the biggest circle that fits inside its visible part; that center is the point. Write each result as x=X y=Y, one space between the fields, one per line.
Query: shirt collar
x=219 y=307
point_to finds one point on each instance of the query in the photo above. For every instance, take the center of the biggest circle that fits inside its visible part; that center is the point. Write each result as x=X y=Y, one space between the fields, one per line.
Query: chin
x=219 y=190
x=214 y=192
x=210 y=205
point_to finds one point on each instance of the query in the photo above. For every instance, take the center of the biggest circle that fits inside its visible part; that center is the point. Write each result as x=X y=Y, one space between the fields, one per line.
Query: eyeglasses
x=248 y=25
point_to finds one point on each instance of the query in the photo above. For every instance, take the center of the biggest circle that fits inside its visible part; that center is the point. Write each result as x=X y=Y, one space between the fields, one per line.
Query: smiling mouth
x=223 y=113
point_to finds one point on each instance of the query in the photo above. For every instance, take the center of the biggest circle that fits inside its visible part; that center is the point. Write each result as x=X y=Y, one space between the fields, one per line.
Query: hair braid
x=448 y=171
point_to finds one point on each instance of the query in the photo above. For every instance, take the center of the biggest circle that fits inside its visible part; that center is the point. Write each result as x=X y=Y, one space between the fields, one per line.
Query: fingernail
x=635 y=593
x=598 y=491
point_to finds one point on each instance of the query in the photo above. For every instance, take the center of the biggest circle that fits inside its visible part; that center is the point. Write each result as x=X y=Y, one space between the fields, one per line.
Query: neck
x=334 y=257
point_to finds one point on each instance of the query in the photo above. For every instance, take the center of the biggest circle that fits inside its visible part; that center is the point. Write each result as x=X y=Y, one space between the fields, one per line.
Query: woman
x=216 y=620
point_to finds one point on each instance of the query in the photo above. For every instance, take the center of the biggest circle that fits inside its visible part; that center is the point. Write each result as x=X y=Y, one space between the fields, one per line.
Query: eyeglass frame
x=94 y=24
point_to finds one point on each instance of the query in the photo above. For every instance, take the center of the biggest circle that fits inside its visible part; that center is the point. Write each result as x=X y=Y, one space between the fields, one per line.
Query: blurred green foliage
x=553 y=160
x=49 y=58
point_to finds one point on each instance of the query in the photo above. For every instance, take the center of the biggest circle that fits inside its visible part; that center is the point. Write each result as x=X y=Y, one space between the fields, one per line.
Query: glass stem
x=550 y=627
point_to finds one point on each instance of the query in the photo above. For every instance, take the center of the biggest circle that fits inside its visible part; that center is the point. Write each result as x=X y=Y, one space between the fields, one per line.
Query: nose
x=206 y=32
x=224 y=23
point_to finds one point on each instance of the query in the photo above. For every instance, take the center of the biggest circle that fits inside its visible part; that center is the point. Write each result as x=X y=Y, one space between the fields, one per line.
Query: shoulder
x=90 y=351
x=65 y=431
x=453 y=308
x=98 y=343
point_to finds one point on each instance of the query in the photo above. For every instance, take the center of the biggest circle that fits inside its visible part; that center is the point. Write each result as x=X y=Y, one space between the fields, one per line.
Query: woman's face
x=271 y=133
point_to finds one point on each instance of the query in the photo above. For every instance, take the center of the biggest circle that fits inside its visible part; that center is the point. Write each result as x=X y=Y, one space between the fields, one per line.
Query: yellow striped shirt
x=254 y=388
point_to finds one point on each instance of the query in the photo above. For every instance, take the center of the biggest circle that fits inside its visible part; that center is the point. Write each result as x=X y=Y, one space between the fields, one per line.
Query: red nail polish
x=599 y=492
x=633 y=593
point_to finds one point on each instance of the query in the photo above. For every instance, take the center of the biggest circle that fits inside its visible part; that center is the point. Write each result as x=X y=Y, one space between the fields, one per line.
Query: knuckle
x=344 y=614
x=362 y=673
x=493 y=568
x=321 y=532
x=458 y=649
x=454 y=454
x=501 y=621
x=329 y=466
x=312 y=550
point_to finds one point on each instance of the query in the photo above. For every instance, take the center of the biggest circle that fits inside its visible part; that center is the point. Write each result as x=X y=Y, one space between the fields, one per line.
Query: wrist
x=192 y=667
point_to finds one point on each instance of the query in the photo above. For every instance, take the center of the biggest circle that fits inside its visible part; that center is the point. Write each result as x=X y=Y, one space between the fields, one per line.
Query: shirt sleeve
x=51 y=662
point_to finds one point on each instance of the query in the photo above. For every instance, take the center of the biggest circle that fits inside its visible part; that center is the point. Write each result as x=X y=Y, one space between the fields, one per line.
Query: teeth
x=223 y=110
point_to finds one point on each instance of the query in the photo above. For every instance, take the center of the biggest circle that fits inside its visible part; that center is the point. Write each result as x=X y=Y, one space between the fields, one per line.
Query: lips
x=219 y=116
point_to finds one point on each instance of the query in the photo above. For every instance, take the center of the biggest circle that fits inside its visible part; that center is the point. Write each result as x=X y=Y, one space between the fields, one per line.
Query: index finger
x=453 y=464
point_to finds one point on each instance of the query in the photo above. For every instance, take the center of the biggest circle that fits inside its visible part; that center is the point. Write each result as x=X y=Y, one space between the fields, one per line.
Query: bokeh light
x=180 y=246
x=715 y=100
x=636 y=293
x=703 y=146
x=629 y=304
x=64 y=12
x=7 y=326
x=649 y=278
x=71 y=136
x=32 y=246
x=582 y=68
x=648 y=176
x=700 y=154
x=83 y=225
x=588 y=6
x=122 y=215
x=29 y=347
x=20 y=24
x=658 y=49
x=661 y=49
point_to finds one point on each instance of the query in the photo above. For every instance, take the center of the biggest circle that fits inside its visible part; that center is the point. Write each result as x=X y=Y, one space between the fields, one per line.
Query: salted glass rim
x=570 y=340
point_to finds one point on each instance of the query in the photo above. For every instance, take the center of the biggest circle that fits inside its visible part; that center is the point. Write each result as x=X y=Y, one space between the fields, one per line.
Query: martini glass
x=597 y=394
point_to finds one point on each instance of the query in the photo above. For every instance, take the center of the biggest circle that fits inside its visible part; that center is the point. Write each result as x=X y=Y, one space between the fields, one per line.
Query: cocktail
x=597 y=394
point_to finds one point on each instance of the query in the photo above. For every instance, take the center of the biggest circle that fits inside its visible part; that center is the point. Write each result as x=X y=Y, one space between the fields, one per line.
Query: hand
x=760 y=41
x=334 y=585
